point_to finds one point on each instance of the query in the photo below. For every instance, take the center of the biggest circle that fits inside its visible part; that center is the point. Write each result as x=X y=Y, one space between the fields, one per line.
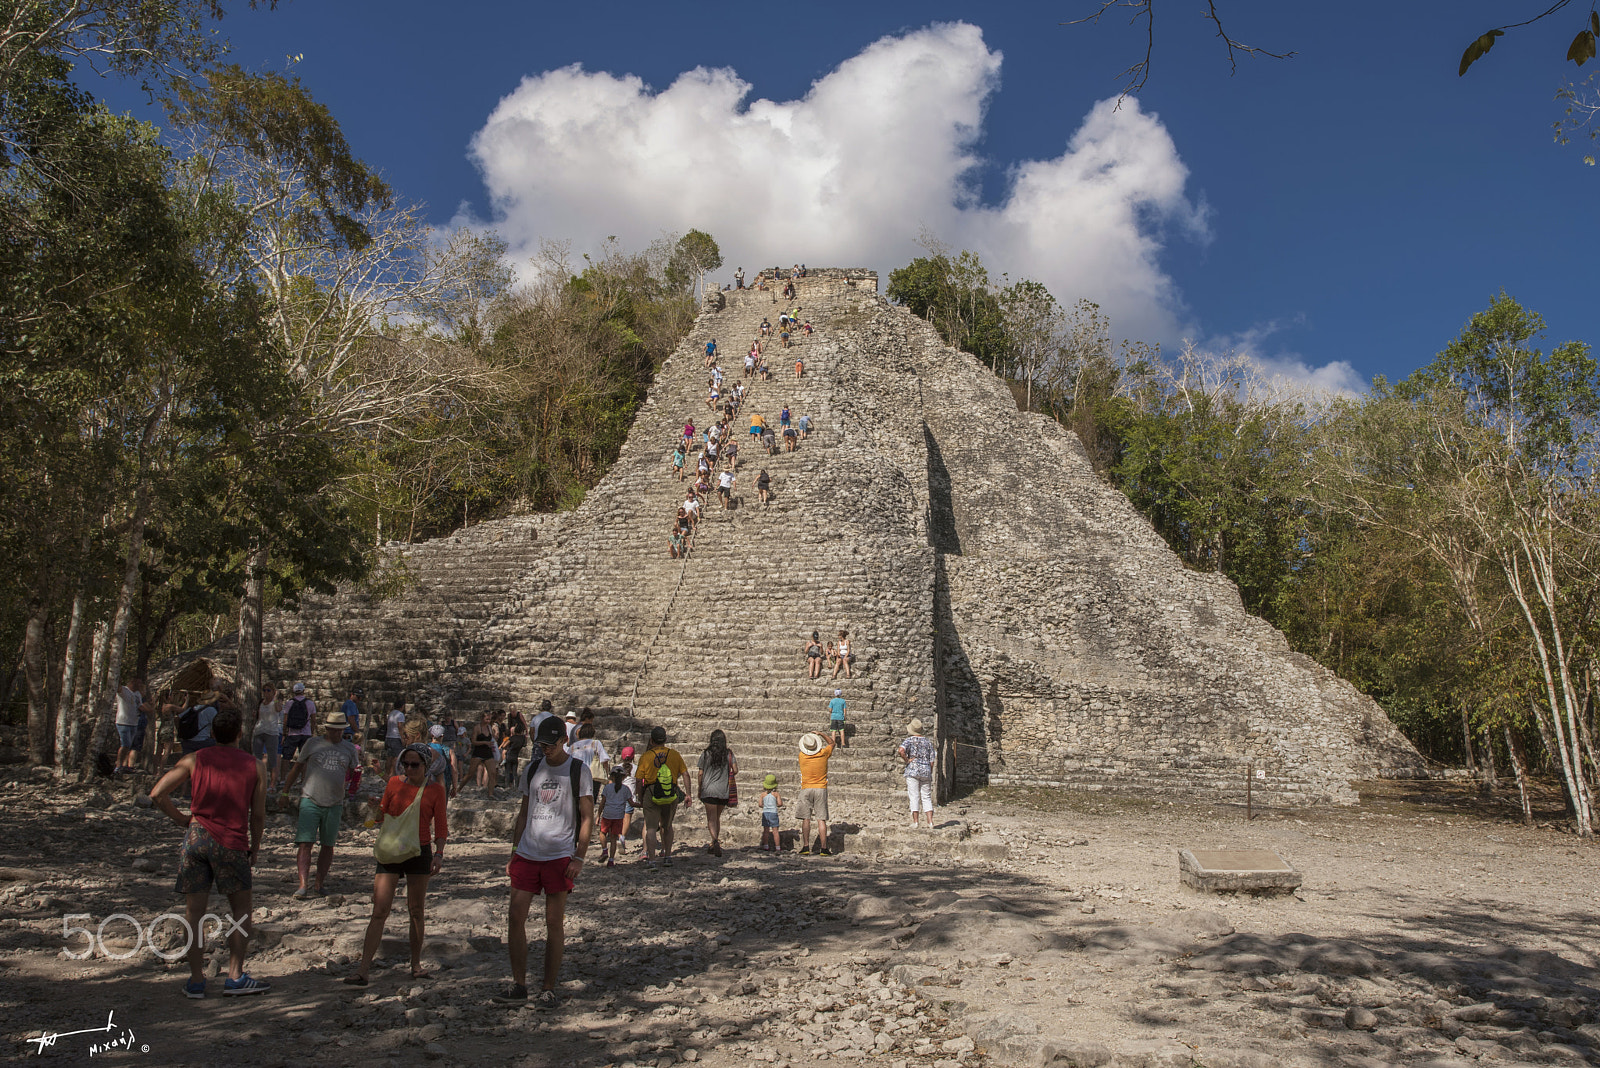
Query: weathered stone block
x=1256 y=871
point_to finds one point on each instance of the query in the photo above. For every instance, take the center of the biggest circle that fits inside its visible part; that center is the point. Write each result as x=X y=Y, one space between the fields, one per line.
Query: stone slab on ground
x=1255 y=871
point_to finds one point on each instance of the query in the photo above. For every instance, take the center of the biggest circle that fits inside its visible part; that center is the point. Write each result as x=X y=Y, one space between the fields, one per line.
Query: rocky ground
x=1028 y=929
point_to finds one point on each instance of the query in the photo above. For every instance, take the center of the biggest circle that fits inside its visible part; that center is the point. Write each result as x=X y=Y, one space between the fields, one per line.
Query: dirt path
x=1427 y=932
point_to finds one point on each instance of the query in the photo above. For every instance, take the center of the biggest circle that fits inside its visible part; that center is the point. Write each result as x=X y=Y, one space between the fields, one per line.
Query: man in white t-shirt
x=725 y=483
x=130 y=705
x=552 y=833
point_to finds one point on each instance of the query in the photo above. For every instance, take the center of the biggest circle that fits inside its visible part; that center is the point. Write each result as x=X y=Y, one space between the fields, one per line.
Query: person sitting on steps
x=842 y=655
x=813 y=650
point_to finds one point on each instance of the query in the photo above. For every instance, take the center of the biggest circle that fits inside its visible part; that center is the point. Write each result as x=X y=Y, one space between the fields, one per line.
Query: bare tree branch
x=1139 y=73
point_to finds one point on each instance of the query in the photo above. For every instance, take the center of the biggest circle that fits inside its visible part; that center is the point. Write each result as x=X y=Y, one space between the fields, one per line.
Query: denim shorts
x=769 y=819
x=125 y=734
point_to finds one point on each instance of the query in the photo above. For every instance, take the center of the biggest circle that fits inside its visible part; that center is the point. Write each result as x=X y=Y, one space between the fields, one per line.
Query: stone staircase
x=991 y=585
x=722 y=632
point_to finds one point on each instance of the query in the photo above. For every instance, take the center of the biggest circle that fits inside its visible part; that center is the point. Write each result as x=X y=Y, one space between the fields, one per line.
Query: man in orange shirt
x=814 y=754
x=659 y=816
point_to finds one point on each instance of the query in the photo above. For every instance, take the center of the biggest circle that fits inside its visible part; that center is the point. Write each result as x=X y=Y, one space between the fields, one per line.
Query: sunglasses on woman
x=411 y=763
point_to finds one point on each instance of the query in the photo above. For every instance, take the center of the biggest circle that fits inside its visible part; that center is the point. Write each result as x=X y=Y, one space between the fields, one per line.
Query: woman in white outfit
x=918 y=753
x=268 y=735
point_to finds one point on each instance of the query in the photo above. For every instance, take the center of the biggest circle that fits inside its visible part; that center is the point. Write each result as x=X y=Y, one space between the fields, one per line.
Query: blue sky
x=1353 y=204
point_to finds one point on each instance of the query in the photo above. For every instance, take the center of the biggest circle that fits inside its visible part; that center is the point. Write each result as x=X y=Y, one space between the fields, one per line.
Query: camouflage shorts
x=203 y=861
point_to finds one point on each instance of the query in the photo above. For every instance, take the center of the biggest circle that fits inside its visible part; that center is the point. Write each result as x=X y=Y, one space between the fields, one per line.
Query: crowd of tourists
x=572 y=794
x=707 y=456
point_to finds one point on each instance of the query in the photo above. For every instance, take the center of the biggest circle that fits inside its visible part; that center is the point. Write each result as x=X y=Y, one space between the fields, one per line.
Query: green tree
x=1483 y=460
x=955 y=295
x=694 y=256
x=318 y=234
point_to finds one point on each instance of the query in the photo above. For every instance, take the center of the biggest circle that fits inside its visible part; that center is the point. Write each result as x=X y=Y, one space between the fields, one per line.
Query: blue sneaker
x=244 y=985
x=194 y=988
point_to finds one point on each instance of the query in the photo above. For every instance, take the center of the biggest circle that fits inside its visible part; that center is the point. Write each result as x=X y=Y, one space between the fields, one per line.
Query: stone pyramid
x=992 y=586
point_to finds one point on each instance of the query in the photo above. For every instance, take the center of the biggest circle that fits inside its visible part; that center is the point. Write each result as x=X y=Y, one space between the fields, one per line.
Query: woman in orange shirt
x=397 y=797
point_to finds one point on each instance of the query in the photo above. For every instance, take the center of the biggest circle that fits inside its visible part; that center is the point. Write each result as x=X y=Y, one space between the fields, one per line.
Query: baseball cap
x=658 y=735
x=627 y=751
x=838 y=693
x=550 y=730
x=299 y=687
x=436 y=731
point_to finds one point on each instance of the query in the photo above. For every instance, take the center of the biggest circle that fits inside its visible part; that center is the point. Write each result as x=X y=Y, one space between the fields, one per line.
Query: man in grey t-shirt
x=327 y=761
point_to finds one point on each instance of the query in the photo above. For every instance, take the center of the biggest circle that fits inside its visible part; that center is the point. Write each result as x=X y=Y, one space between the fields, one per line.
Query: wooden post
x=1249 y=773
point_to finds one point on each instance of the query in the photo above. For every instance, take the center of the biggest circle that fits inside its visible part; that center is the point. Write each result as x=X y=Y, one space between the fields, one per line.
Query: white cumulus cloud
x=878 y=150
x=1336 y=378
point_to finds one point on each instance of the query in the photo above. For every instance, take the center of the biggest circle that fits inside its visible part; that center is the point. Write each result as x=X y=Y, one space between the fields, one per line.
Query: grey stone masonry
x=992 y=585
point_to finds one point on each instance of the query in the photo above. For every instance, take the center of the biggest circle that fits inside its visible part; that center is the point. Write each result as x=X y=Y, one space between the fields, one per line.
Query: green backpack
x=664 y=791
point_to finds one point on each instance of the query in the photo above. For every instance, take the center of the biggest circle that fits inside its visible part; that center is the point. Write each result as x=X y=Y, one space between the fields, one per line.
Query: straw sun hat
x=811 y=744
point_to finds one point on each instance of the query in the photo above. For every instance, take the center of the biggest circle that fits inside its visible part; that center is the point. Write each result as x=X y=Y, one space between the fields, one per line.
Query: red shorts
x=534 y=876
x=611 y=827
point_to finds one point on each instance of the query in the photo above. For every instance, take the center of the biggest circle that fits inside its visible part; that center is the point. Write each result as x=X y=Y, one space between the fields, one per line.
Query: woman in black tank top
x=485 y=769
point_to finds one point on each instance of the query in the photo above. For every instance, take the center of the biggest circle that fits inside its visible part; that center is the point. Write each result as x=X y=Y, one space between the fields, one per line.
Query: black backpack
x=576 y=771
x=189 y=722
x=298 y=715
